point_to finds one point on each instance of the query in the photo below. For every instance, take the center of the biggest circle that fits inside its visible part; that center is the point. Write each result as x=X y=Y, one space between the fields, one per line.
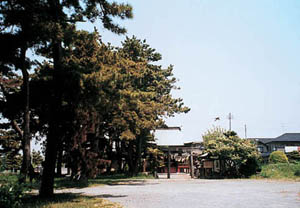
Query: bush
x=250 y=167
x=281 y=171
x=233 y=150
x=278 y=157
x=293 y=156
x=11 y=195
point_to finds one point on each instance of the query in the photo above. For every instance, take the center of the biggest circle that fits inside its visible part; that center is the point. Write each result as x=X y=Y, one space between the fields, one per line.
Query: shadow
x=63 y=183
x=125 y=182
x=110 y=196
x=67 y=200
x=129 y=182
x=33 y=200
x=66 y=182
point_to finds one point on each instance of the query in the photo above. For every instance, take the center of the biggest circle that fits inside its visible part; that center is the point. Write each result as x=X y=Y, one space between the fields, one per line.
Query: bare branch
x=16 y=127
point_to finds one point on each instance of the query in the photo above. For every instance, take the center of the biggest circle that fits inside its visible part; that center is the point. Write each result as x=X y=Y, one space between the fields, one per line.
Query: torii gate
x=169 y=128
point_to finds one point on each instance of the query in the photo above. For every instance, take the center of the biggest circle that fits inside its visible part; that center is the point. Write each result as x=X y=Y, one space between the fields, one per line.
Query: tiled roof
x=263 y=140
x=288 y=137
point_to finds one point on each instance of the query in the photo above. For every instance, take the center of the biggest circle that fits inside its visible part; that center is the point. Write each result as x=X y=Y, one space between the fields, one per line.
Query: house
x=208 y=166
x=180 y=156
x=267 y=145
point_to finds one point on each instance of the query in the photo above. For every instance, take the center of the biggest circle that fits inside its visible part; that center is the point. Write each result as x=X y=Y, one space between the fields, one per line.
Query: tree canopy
x=237 y=153
x=95 y=104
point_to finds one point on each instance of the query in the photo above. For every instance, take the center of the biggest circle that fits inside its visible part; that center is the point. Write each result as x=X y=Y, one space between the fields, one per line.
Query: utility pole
x=245 y=131
x=230 y=117
x=169 y=165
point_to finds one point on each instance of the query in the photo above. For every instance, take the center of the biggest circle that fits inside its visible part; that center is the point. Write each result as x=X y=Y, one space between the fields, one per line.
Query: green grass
x=68 y=200
x=280 y=171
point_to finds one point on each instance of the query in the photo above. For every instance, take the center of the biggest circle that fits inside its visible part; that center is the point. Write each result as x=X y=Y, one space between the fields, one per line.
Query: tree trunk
x=47 y=184
x=26 y=140
x=53 y=137
x=137 y=164
x=59 y=161
x=130 y=159
x=119 y=156
x=110 y=156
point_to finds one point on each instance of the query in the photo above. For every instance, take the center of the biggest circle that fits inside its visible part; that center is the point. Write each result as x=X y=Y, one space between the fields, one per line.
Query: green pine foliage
x=120 y=92
x=10 y=143
x=93 y=102
x=37 y=158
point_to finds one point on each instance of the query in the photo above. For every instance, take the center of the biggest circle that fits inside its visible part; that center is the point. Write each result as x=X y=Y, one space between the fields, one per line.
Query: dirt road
x=197 y=193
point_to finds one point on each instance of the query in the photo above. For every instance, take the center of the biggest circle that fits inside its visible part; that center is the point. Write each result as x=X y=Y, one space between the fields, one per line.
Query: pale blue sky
x=238 y=56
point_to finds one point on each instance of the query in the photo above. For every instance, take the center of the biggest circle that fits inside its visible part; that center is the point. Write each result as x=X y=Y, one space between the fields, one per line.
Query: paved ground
x=198 y=193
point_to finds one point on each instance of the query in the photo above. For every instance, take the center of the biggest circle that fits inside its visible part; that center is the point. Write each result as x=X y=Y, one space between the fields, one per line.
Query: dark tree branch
x=17 y=128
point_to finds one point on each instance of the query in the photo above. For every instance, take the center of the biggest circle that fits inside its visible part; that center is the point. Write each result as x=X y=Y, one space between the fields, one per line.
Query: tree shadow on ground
x=130 y=183
x=63 y=183
x=110 y=196
x=114 y=182
x=70 y=200
x=34 y=201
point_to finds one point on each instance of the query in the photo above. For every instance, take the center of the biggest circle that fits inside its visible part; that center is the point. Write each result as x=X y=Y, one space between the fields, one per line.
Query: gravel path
x=199 y=193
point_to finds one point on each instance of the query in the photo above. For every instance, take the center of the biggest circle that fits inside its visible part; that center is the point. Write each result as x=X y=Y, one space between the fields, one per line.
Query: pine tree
x=50 y=18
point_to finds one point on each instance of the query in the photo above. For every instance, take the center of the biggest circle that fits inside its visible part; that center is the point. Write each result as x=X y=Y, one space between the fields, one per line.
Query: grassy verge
x=68 y=200
x=289 y=171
